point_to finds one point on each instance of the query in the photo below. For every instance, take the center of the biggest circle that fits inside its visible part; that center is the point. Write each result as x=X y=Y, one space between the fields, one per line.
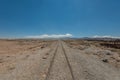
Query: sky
x=79 y=18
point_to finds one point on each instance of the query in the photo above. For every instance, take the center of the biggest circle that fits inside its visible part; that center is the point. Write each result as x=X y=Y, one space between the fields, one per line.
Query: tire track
x=60 y=45
x=71 y=71
x=51 y=63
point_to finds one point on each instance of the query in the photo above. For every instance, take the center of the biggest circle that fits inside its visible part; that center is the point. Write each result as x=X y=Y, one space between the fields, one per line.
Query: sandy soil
x=18 y=57
x=17 y=46
x=57 y=60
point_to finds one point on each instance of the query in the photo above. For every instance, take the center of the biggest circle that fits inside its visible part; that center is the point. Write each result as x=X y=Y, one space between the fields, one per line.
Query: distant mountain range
x=69 y=38
x=101 y=38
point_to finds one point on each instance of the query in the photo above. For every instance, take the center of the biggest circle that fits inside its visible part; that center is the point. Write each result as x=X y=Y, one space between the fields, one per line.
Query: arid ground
x=33 y=59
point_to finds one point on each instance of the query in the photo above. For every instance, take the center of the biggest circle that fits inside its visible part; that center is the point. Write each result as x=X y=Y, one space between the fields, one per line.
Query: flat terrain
x=58 y=60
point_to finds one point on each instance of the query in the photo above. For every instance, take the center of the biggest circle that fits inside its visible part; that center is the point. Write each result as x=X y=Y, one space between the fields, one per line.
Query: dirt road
x=59 y=62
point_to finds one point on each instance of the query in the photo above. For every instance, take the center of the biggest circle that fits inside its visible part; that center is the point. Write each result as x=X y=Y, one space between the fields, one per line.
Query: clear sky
x=77 y=17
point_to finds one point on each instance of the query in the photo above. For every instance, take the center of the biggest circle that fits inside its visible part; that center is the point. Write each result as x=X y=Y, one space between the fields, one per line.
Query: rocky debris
x=118 y=59
x=44 y=57
x=42 y=47
x=115 y=56
x=43 y=75
x=108 y=53
x=11 y=68
x=47 y=54
x=105 y=60
x=27 y=56
x=1 y=61
x=7 y=56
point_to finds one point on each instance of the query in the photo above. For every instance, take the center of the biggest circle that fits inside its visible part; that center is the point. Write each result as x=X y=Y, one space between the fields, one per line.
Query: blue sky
x=80 y=18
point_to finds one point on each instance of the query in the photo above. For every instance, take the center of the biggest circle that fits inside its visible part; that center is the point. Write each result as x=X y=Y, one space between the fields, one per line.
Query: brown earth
x=58 y=60
x=16 y=46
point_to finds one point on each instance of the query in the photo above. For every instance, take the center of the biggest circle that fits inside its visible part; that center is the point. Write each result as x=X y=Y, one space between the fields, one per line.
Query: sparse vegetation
x=100 y=48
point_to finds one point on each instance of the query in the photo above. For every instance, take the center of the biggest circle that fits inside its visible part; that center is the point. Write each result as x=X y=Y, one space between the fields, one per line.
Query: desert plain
x=69 y=59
